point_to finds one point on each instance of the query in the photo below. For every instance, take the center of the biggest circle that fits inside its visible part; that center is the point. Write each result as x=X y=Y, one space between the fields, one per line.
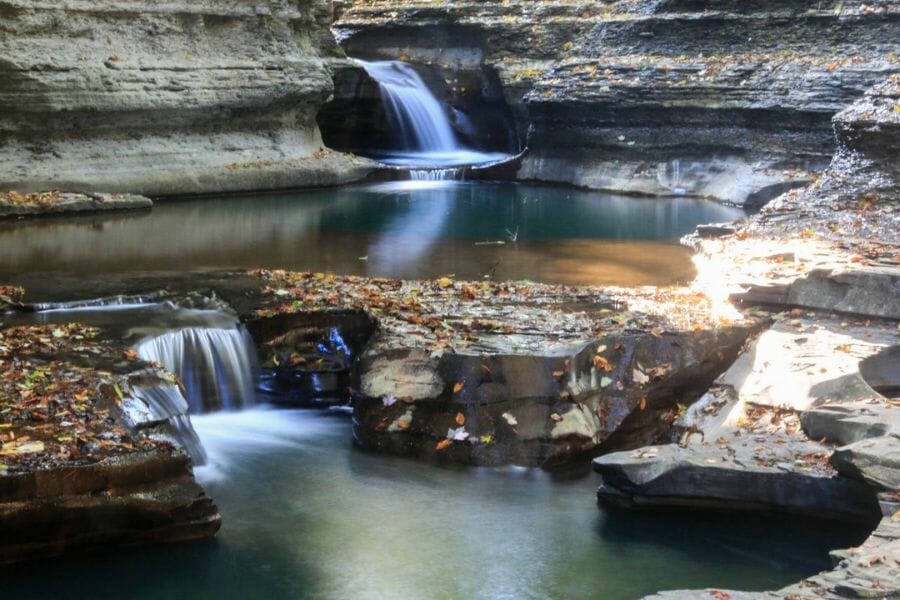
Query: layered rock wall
x=176 y=96
x=726 y=99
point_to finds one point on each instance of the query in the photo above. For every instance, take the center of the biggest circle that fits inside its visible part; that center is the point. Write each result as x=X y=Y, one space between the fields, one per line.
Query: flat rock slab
x=497 y=373
x=741 y=473
x=52 y=203
x=87 y=460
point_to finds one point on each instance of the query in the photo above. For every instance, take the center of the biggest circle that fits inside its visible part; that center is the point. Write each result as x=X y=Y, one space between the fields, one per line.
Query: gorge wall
x=730 y=99
x=177 y=96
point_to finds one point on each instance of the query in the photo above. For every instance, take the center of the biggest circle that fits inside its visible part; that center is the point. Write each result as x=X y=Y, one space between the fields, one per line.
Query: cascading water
x=414 y=111
x=430 y=144
x=216 y=365
x=434 y=174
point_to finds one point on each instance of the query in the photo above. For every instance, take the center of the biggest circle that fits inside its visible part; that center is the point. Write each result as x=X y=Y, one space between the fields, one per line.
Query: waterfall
x=414 y=111
x=166 y=402
x=434 y=174
x=216 y=365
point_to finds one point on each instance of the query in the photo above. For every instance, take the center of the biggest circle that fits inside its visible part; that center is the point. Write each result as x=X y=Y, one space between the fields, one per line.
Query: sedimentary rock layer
x=172 y=97
x=731 y=100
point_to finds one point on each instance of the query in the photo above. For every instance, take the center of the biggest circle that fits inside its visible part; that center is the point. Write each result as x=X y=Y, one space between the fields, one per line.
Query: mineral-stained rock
x=177 y=97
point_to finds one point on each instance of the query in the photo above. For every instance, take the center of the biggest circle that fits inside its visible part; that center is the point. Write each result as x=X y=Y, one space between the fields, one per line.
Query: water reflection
x=565 y=235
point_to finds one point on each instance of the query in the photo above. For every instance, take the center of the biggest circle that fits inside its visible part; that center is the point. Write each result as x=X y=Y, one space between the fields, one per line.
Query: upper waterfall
x=412 y=108
x=421 y=121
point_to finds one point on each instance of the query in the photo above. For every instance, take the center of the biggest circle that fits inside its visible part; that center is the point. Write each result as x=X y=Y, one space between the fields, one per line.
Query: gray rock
x=747 y=473
x=874 y=460
x=186 y=97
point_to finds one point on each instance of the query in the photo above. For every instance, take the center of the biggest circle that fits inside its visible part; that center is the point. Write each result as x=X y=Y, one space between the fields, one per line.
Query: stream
x=305 y=515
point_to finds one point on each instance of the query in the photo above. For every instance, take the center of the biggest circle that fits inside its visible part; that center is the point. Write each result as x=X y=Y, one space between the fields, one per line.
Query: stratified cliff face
x=731 y=99
x=173 y=96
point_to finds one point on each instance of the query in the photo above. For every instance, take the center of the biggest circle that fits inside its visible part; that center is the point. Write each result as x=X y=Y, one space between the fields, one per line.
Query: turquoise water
x=395 y=229
x=305 y=515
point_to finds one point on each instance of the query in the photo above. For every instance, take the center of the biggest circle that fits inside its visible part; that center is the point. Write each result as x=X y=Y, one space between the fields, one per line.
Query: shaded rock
x=91 y=453
x=738 y=474
x=721 y=100
x=122 y=501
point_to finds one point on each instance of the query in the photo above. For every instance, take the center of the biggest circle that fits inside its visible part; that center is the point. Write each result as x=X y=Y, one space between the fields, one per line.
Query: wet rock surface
x=179 y=98
x=87 y=461
x=727 y=100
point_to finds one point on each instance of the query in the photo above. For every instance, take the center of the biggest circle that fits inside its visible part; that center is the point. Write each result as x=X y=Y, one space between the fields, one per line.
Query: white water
x=423 y=123
x=167 y=402
x=434 y=174
x=416 y=113
x=216 y=365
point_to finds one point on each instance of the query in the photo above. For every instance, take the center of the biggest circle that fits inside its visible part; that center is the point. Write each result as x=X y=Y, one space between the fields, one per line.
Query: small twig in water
x=513 y=237
x=489 y=274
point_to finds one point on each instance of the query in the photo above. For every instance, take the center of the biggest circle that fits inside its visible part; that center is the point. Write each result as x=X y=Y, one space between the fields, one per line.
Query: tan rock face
x=183 y=96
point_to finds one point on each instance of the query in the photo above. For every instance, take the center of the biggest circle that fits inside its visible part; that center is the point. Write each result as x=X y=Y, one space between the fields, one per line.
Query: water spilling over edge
x=217 y=366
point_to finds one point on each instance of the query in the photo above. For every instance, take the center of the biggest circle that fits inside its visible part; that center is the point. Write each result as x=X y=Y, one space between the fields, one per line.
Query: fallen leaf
x=460 y=419
x=602 y=364
x=639 y=377
x=555 y=417
x=443 y=444
x=459 y=434
x=459 y=386
x=643 y=403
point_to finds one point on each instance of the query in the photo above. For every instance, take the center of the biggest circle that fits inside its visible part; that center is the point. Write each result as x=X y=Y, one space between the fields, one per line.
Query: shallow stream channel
x=307 y=515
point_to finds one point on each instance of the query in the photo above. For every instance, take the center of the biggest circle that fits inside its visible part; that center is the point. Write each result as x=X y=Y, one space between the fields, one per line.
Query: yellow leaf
x=445 y=282
x=643 y=403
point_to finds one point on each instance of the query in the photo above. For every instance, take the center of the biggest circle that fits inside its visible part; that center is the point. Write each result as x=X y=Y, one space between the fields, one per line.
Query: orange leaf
x=643 y=403
x=443 y=445
x=460 y=419
x=459 y=386
x=603 y=364
x=558 y=373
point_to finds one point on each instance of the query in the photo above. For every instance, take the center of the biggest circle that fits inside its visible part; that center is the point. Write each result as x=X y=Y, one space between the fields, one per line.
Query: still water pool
x=395 y=229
